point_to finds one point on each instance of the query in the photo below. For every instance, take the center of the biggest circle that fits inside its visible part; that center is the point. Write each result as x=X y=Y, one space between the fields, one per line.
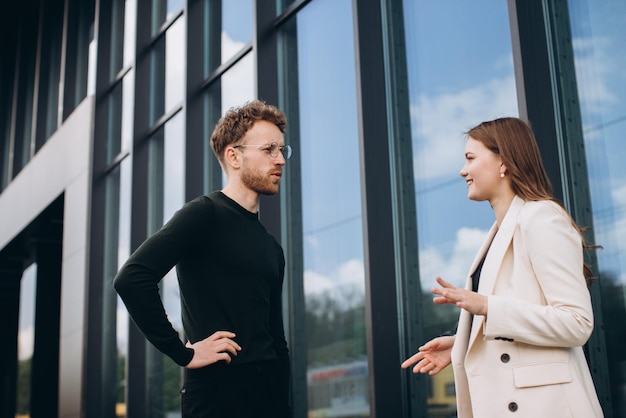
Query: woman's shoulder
x=543 y=212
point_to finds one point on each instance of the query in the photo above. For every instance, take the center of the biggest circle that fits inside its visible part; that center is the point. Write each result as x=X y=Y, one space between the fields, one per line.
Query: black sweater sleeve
x=137 y=282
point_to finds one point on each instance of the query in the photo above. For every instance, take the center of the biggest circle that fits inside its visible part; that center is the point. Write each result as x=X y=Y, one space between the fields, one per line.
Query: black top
x=230 y=272
x=476 y=274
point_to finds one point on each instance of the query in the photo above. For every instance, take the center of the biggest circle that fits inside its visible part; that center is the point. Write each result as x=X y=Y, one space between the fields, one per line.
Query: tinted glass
x=460 y=68
x=598 y=34
x=237 y=26
x=332 y=229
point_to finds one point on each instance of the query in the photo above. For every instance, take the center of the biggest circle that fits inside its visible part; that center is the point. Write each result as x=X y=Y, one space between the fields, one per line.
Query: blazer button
x=513 y=406
x=504 y=358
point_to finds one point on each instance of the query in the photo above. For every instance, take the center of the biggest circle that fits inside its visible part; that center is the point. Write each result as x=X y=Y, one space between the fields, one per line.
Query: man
x=230 y=274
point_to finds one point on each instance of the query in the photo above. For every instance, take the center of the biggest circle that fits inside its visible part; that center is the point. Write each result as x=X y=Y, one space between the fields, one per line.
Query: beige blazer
x=525 y=359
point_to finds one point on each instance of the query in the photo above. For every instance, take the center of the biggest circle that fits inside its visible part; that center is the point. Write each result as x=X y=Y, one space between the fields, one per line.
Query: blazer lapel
x=495 y=250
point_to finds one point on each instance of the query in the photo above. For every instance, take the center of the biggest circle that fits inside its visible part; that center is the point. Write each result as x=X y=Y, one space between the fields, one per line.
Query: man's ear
x=232 y=157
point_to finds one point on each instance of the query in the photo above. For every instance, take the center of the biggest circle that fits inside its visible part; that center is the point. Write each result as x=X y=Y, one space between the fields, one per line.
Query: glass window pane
x=337 y=373
x=238 y=83
x=26 y=338
x=173 y=6
x=130 y=31
x=123 y=252
x=128 y=111
x=234 y=88
x=459 y=76
x=175 y=64
x=598 y=34
x=237 y=25
x=173 y=199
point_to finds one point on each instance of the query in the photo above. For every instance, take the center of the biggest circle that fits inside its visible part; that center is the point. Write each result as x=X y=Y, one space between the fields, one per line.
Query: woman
x=526 y=309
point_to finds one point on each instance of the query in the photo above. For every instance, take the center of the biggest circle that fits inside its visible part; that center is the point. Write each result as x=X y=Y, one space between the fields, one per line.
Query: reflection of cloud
x=122 y=327
x=439 y=122
x=175 y=64
x=229 y=46
x=594 y=65
x=341 y=284
x=454 y=268
x=26 y=342
x=619 y=199
x=238 y=81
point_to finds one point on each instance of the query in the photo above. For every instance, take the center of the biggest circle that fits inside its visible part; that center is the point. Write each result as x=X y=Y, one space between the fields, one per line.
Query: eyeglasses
x=272 y=149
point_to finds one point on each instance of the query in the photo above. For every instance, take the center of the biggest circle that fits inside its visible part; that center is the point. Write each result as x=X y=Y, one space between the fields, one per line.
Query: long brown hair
x=514 y=141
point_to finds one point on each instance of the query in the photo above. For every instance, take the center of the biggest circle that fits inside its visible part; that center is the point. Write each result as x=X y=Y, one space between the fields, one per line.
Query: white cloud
x=594 y=65
x=619 y=199
x=25 y=342
x=439 y=122
x=345 y=284
x=455 y=267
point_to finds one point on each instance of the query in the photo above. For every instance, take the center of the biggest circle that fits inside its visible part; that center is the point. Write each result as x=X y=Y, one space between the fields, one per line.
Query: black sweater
x=230 y=273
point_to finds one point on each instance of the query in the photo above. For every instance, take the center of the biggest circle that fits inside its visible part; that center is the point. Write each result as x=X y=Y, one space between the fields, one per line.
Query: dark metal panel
x=45 y=360
x=266 y=85
x=409 y=298
x=136 y=362
x=383 y=339
x=534 y=82
x=203 y=101
x=93 y=382
x=292 y=235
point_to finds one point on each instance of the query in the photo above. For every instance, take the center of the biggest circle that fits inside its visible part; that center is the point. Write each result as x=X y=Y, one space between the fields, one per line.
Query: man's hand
x=217 y=347
x=432 y=357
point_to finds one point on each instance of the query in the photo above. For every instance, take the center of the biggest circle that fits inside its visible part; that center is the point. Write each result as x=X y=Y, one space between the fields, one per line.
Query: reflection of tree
x=23 y=387
x=335 y=327
x=438 y=319
x=171 y=383
x=613 y=316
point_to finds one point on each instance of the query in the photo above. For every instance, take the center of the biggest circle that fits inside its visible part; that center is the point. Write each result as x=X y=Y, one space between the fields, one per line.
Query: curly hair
x=232 y=127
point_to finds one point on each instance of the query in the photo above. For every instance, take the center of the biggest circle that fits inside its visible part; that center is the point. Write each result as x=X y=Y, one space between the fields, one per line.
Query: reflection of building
x=105 y=111
x=341 y=391
x=441 y=400
x=338 y=391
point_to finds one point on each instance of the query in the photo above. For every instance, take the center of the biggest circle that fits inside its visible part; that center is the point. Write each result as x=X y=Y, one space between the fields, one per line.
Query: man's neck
x=246 y=198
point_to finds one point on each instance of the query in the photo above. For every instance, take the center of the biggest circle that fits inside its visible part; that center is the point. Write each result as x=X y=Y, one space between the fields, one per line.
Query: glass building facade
x=106 y=108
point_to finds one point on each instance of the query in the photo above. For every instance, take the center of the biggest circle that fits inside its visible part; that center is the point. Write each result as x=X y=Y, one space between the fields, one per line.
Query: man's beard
x=259 y=182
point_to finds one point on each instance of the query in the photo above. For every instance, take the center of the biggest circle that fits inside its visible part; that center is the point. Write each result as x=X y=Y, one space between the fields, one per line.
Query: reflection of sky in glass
x=173 y=199
x=26 y=336
x=123 y=249
x=128 y=110
x=237 y=21
x=331 y=199
x=598 y=32
x=173 y=6
x=238 y=84
x=460 y=74
x=175 y=64
x=130 y=31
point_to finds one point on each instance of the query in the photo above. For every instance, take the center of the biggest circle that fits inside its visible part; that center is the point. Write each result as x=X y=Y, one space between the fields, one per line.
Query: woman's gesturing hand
x=432 y=357
x=217 y=347
x=473 y=302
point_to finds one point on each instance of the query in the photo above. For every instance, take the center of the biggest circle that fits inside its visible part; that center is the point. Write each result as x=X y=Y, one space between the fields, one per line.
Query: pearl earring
x=502 y=175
